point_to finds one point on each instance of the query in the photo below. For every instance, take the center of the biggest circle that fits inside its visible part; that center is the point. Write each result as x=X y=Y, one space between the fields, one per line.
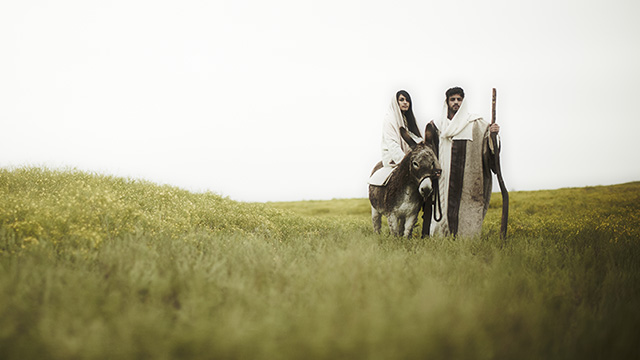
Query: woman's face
x=403 y=103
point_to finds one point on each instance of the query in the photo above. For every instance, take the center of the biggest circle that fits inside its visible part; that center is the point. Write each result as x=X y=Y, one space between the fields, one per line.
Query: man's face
x=454 y=102
x=403 y=103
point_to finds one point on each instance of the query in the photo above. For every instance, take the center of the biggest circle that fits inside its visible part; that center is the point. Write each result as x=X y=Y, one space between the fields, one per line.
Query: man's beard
x=453 y=112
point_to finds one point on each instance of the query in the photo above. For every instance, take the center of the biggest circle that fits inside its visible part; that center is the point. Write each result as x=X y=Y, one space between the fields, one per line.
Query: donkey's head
x=423 y=161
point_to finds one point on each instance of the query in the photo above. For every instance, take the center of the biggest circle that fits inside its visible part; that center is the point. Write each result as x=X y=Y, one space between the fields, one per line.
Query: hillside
x=96 y=267
x=77 y=209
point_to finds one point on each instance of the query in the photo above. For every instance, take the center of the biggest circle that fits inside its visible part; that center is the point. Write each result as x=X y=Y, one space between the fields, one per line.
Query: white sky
x=284 y=99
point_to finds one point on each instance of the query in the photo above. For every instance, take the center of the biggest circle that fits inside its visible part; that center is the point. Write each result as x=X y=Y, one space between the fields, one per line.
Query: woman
x=394 y=148
x=400 y=114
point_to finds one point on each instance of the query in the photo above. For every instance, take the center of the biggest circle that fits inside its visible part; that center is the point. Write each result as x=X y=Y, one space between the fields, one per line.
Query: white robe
x=394 y=148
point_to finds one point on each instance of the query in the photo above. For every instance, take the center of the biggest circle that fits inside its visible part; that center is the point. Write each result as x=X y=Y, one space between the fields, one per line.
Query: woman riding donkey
x=406 y=173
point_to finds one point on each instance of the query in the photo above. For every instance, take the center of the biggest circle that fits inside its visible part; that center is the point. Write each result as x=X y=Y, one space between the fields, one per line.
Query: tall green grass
x=99 y=267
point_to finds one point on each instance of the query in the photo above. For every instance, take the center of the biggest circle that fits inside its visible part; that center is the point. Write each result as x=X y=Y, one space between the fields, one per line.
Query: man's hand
x=494 y=128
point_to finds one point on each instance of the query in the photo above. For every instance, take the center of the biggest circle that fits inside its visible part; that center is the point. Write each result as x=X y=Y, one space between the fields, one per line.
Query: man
x=466 y=155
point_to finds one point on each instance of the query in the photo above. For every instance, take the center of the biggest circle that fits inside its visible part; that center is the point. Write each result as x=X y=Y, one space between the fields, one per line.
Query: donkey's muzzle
x=426 y=187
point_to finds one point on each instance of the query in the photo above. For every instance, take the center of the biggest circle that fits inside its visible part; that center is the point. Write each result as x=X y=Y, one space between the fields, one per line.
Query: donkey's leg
x=376 y=220
x=400 y=229
x=409 y=224
x=394 y=229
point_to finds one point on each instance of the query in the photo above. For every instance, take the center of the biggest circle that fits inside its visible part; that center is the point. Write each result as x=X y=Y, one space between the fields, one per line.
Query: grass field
x=97 y=267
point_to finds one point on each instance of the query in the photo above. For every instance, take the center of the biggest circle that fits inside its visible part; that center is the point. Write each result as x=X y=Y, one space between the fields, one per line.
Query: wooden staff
x=503 y=187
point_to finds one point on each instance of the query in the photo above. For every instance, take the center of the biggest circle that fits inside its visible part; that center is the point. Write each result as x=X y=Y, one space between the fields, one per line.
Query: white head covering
x=393 y=146
x=457 y=128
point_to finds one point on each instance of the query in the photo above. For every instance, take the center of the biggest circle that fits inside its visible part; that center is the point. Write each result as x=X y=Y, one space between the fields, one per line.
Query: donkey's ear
x=405 y=135
x=431 y=136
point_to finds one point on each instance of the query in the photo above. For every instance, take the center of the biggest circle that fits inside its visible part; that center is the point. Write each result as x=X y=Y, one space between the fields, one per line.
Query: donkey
x=408 y=186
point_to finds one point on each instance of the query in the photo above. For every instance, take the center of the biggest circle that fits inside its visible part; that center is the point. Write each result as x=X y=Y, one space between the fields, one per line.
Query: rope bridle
x=435 y=199
x=432 y=207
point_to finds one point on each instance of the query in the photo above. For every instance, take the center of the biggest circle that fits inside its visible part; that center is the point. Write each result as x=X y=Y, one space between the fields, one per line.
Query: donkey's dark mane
x=401 y=176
